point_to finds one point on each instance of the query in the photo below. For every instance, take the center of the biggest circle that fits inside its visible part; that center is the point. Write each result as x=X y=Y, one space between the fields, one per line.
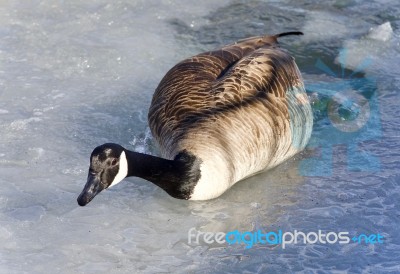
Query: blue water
x=76 y=74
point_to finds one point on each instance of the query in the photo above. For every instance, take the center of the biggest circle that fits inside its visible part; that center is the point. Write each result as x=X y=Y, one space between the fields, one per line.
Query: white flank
x=122 y=171
x=213 y=182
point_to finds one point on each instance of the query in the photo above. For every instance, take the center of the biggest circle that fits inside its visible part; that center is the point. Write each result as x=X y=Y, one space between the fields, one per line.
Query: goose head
x=108 y=167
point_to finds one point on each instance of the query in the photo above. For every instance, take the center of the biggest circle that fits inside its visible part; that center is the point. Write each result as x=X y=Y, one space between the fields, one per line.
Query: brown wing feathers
x=231 y=76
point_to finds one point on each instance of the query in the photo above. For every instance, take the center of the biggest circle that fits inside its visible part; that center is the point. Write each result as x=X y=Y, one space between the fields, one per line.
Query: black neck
x=177 y=177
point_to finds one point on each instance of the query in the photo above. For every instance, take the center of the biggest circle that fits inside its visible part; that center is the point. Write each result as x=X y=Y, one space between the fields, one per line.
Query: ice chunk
x=381 y=33
x=376 y=51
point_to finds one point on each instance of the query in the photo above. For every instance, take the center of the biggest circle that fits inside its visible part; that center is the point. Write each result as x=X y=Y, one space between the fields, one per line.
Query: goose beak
x=92 y=188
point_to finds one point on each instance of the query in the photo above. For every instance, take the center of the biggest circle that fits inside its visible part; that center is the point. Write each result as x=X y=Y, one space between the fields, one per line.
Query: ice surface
x=323 y=25
x=75 y=74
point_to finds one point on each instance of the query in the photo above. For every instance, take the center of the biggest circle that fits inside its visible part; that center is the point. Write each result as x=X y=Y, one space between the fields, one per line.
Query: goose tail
x=288 y=33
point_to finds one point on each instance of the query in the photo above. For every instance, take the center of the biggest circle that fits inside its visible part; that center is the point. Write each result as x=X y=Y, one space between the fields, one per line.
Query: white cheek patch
x=122 y=171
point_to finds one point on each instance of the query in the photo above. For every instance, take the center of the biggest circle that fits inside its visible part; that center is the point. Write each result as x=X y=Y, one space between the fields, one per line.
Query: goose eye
x=114 y=161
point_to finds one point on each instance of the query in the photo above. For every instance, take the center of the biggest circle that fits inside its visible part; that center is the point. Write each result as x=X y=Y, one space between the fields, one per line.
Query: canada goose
x=218 y=117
